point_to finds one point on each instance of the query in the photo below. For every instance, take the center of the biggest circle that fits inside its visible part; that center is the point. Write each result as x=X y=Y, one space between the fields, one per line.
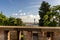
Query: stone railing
x=29 y=33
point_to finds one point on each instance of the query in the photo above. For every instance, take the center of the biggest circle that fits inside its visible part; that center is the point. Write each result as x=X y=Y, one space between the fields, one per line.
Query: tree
x=57 y=8
x=11 y=21
x=19 y=22
x=6 y=22
x=48 y=15
x=15 y=22
x=2 y=18
x=43 y=11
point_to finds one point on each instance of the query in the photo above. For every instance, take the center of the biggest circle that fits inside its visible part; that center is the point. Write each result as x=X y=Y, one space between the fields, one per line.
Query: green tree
x=6 y=22
x=11 y=21
x=19 y=22
x=43 y=11
x=50 y=19
x=48 y=15
x=15 y=22
x=57 y=8
x=2 y=18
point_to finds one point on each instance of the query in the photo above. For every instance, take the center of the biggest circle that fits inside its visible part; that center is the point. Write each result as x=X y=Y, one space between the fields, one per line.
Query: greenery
x=43 y=11
x=49 y=16
x=11 y=21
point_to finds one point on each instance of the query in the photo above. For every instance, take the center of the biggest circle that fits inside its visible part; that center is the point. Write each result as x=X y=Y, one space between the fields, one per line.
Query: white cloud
x=56 y=2
x=14 y=14
x=33 y=6
x=20 y=11
x=25 y=17
x=53 y=2
x=30 y=18
x=22 y=14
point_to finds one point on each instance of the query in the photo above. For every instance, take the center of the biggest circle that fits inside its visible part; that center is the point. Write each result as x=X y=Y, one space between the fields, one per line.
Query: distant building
x=30 y=20
x=31 y=24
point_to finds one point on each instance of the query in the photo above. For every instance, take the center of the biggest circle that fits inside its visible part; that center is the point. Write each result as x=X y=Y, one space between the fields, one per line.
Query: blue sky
x=17 y=8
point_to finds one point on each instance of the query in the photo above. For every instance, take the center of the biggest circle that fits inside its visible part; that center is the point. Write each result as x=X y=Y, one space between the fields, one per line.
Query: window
x=48 y=34
x=35 y=36
x=6 y=35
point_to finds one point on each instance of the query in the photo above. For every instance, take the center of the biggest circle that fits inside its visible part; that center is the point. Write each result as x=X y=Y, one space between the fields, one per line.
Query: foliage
x=2 y=18
x=53 y=23
x=57 y=8
x=48 y=16
x=43 y=11
x=11 y=21
x=19 y=22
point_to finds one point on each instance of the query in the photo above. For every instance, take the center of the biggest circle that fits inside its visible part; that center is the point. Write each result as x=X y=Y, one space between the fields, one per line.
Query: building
x=29 y=33
x=31 y=24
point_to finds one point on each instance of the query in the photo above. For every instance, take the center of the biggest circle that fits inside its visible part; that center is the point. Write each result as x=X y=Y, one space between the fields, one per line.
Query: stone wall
x=13 y=35
x=1 y=35
x=42 y=35
x=27 y=35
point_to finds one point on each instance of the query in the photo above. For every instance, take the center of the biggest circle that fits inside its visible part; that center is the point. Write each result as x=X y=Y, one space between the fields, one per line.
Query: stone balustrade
x=29 y=33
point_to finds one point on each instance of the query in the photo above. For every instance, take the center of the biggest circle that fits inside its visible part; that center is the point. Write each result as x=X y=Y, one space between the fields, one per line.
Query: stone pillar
x=20 y=35
x=8 y=35
x=27 y=35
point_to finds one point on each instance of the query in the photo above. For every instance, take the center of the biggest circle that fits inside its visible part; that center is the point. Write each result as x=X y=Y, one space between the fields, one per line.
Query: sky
x=24 y=8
